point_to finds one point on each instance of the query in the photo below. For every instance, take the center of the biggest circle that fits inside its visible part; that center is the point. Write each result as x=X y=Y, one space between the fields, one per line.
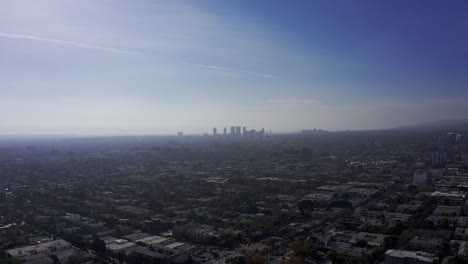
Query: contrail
x=69 y=43
x=125 y=52
x=219 y=68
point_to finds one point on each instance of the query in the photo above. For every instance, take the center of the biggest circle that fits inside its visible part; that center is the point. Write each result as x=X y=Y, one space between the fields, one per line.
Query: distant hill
x=456 y=124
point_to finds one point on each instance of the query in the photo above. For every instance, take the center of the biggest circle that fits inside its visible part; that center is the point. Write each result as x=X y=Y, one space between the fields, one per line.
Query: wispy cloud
x=68 y=43
x=219 y=68
x=421 y=103
x=445 y=101
x=295 y=101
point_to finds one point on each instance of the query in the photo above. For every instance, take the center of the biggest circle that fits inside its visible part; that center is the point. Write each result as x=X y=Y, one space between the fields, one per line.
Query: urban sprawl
x=314 y=197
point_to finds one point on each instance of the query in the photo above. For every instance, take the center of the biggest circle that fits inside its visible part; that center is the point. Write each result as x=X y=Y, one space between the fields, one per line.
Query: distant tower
x=439 y=159
x=225 y=131
x=244 y=131
x=180 y=134
x=233 y=131
x=238 y=130
x=215 y=132
x=419 y=177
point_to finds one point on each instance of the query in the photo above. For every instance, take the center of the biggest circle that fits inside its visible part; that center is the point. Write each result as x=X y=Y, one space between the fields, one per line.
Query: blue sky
x=158 y=67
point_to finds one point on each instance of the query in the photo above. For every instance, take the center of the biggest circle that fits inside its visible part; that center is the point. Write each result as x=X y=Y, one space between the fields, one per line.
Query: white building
x=393 y=256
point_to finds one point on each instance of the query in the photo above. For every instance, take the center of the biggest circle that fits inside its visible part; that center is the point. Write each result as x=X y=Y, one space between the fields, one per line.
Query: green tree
x=99 y=245
x=74 y=259
x=336 y=258
x=361 y=243
x=257 y=259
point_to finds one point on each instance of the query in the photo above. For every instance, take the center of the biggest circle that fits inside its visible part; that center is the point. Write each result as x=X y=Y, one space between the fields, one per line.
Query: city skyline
x=160 y=67
x=238 y=131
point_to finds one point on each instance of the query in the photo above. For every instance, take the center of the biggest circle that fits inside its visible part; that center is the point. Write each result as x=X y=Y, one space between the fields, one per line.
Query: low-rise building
x=375 y=240
x=443 y=210
x=394 y=256
x=42 y=248
x=426 y=244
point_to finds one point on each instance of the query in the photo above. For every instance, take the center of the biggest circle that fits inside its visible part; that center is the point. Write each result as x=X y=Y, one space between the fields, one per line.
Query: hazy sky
x=158 y=67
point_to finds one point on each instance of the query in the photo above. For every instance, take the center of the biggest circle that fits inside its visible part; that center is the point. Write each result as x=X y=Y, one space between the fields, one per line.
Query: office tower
x=215 y=132
x=439 y=158
x=180 y=134
x=262 y=132
x=244 y=131
x=420 y=177
x=225 y=131
x=233 y=131
x=238 y=130
x=451 y=137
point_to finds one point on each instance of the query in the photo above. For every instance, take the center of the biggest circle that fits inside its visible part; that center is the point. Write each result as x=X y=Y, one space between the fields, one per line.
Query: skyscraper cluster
x=236 y=131
x=451 y=149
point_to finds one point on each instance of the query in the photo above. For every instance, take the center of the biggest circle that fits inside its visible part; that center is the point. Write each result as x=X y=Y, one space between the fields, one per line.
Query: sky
x=158 y=67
